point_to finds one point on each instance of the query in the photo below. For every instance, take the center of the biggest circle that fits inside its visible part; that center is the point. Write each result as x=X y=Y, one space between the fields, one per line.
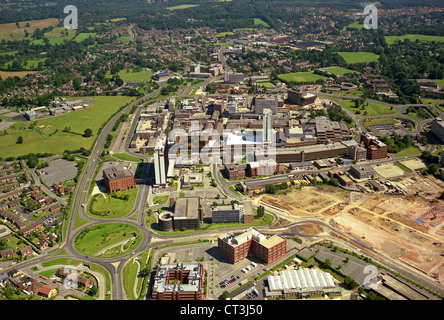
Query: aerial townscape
x=221 y=150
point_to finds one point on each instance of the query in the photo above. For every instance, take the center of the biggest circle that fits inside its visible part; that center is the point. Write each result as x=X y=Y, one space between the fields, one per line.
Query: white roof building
x=302 y=281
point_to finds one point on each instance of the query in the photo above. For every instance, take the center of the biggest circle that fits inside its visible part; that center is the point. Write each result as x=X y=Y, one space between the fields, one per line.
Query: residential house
x=7 y=253
x=47 y=291
x=3 y=279
x=25 y=251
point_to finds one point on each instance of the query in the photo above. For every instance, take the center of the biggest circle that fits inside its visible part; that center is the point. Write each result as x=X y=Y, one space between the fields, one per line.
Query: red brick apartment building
x=262 y=168
x=233 y=172
x=376 y=149
x=237 y=248
x=118 y=179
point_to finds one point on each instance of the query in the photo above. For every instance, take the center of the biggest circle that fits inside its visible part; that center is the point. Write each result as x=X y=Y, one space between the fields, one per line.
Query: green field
x=301 y=77
x=373 y=108
x=431 y=101
x=183 y=6
x=57 y=36
x=131 y=75
x=160 y=199
x=124 y=38
x=96 y=238
x=339 y=71
x=92 y=117
x=413 y=37
x=224 y=34
x=83 y=36
x=126 y=157
x=358 y=57
x=130 y=275
x=349 y=104
x=10 y=31
x=382 y=109
x=354 y=25
x=12 y=53
x=29 y=64
x=260 y=22
x=368 y=123
x=44 y=138
x=403 y=167
x=408 y=152
x=110 y=207
x=266 y=84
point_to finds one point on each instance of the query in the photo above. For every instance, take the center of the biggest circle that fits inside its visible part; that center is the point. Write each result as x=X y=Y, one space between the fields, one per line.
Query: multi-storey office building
x=160 y=166
x=376 y=149
x=262 y=168
x=182 y=281
x=118 y=179
x=237 y=248
x=236 y=213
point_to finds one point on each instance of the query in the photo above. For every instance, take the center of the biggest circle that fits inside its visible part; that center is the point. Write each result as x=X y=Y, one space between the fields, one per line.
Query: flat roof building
x=118 y=179
x=438 y=128
x=182 y=281
x=376 y=149
x=300 y=96
x=160 y=163
x=301 y=282
x=236 y=213
x=309 y=153
x=258 y=185
x=186 y=213
x=263 y=102
x=252 y=242
x=363 y=172
x=262 y=168
x=233 y=171
x=163 y=75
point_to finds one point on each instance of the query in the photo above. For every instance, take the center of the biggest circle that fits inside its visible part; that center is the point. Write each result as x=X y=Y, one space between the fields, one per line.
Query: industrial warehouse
x=300 y=283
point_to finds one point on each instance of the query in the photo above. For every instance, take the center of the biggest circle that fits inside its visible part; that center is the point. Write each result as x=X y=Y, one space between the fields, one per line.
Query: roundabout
x=108 y=240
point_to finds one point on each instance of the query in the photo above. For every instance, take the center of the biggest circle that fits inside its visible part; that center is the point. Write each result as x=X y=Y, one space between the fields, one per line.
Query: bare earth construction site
x=407 y=228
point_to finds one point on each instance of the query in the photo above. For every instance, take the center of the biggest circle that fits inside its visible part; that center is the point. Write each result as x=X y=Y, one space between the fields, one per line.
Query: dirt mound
x=310 y=229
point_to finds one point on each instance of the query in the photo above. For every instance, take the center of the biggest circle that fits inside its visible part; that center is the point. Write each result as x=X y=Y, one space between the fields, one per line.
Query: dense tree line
x=395 y=143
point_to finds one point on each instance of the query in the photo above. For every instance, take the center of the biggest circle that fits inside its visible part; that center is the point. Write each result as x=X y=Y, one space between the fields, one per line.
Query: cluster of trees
x=121 y=119
x=395 y=143
x=273 y=188
x=87 y=133
x=120 y=196
x=168 y=89
x=210 y=89
x=420 y=112
x=109 y=139
x=260 y=211
x=404 y=61
x=433 y=164
x=336 y=113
